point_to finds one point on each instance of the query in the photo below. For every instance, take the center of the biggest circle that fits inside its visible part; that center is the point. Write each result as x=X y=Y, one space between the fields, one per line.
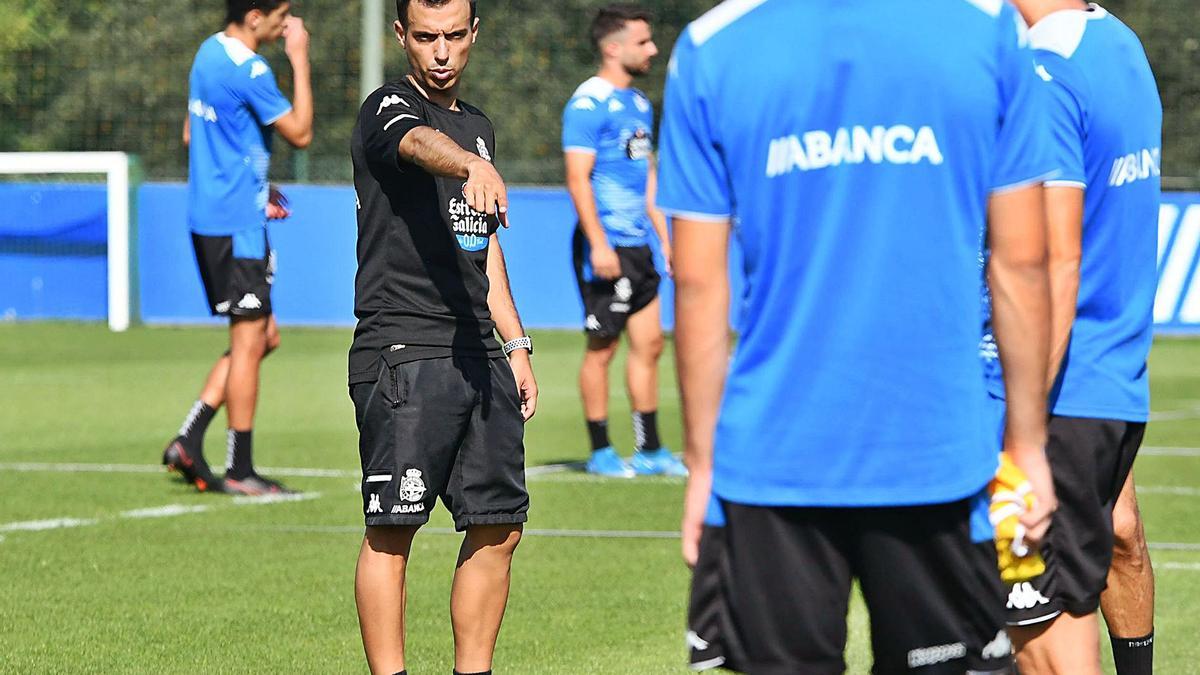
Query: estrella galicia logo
x=470 y=226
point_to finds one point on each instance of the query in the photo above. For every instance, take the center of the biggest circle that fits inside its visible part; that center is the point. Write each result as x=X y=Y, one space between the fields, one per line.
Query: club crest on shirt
x=639 y=145
x=481 y=147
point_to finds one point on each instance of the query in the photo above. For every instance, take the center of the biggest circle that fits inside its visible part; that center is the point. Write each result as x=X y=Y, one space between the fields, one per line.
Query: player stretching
x=440 y=410
x=608 y=148
x=857 y=151
x=233 y=103
x=1106 y=120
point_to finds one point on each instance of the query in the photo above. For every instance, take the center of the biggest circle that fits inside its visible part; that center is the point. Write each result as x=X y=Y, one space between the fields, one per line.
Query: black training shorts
x=442 y=427
x=236 y=282
x=1090 y=460
x=771 y=589
x=608 y=303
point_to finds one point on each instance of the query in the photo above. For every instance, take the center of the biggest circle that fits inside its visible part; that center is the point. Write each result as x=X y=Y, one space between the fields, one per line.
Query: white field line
x=1176 y=415
x=285 y=472
x=1174 y=546
x=1178 y=566
x=1168 y=490
x=168 y=511
x=1151 y=451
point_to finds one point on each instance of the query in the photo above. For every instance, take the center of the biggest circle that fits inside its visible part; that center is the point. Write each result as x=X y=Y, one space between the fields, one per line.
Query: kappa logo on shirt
x=615 y=106
x=258 y=68
x=202 y=110
x=584 y=103
x=642 y=104
x=1000 y=647
x=389 y=101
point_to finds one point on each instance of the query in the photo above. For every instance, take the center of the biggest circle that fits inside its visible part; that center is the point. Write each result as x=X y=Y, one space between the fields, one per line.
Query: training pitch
x=111 y=565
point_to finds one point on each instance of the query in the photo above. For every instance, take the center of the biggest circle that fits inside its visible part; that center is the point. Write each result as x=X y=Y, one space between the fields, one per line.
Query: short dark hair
x=612 y=19
x=402 y=9
x=236 y=10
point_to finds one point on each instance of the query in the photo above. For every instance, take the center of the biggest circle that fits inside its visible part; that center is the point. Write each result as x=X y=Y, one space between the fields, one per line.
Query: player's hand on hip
x=605 y=262
x=522 y=368
x=695 y=505
x=485 y=190
x=1033 y=462
x=295 y=38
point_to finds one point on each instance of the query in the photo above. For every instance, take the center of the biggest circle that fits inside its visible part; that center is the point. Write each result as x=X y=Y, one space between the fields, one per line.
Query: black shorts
x=237 y=272
x=771 y=589
x=1090 y=460
x=608 y=303
x=443 y=427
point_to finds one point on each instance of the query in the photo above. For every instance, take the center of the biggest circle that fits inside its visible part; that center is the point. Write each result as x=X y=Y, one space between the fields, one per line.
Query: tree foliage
x=103 y=75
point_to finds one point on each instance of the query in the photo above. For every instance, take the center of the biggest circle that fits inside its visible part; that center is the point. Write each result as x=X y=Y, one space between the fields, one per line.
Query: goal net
x=66 y=236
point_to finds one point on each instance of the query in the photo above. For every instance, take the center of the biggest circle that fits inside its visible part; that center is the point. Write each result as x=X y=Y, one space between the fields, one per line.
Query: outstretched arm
x=438 y=154
x=508 y=324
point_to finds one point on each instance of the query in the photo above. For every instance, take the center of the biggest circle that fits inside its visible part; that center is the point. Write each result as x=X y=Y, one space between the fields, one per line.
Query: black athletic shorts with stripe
x=608 y=303
x=770 y=591
x=1090 y=460
x=237 y=272
x=448 y=427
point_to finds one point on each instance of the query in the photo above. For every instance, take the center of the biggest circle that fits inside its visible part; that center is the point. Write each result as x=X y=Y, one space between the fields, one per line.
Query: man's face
x=438 y=42
x=268 y=27
x=635 y=47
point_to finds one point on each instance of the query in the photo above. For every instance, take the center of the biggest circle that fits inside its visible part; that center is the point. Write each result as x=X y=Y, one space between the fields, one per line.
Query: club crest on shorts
x=412 y=488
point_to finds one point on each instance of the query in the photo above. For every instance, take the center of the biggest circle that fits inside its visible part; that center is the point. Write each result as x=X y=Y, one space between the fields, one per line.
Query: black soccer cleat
x=255 y=485
x=191 y=466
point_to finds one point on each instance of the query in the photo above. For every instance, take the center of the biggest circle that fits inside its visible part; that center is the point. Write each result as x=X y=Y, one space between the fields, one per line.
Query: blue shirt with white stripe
x=1105 y=119
x=617 y=126
x=855 y=157
x=233 y=100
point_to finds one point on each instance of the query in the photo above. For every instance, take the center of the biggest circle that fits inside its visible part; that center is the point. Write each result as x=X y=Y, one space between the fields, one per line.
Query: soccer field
x=111 y=565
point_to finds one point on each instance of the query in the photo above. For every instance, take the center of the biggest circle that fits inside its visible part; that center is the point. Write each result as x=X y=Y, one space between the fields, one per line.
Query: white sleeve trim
x=1026 y=183
x=278 y=117
x=579 y=148
x=696 y=215
x=1067 y=183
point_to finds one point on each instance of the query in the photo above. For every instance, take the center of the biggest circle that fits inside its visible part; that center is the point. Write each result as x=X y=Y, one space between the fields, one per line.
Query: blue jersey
x=617 y=126
x=1106 y=120
x=233 y=100
x=856 y=161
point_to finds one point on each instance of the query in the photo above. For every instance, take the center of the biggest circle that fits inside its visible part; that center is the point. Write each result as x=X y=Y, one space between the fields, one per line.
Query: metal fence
x=103 y=75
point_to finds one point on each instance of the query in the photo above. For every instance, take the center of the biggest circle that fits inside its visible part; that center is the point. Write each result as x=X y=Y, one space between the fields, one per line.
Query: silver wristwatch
x=523 y=342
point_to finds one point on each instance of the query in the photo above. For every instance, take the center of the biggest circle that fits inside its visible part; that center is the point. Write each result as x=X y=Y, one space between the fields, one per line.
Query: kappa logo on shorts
x=250 y=301
x=1025 y=596
x=412 y=488
x=374 y=506
x=592 y=322
x=623 y=289
x=223 y=306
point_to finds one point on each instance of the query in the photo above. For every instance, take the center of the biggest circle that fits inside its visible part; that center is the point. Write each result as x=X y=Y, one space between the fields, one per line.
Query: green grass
x=268 y=588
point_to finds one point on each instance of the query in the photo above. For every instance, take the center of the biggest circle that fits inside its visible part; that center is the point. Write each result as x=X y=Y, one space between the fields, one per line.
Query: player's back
x=1097 y=66
x=857 y=146
x=232 y=101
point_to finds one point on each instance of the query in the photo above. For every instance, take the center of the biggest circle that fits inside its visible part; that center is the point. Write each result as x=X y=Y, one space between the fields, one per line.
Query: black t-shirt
x=421 y=288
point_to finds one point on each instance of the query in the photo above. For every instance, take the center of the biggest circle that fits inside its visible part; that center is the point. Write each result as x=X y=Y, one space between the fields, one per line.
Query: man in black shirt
x=440 y=403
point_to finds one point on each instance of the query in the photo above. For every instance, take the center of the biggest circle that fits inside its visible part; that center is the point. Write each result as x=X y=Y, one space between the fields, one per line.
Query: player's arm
x=579 y=165
x=657 y=218
x=296 y=126
x=1064 y=221
x=187 y=130
x=438 y=154
x=1020 y=286
x=508 y=325
x=701 y=355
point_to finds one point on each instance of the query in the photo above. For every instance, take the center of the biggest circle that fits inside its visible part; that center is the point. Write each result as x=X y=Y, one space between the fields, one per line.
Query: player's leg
x=379 y=593
x=932 y=588
x=480 y=593
x=646 y=342
x=1128 y=602
x=487 y=497
x=1053 y=619
x=602 y=328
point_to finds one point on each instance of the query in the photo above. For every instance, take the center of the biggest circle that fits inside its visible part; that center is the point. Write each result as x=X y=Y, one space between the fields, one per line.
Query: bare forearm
x=584 y=198
x=500 y=300
x=436 y=152
x=302 y=103
x=1064 y=295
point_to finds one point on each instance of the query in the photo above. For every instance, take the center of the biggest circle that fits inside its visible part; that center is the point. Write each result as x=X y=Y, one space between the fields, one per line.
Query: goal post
x=117 y=168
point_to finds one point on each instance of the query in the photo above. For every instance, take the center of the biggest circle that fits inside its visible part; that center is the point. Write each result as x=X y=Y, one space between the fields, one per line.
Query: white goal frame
x=115 y=167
